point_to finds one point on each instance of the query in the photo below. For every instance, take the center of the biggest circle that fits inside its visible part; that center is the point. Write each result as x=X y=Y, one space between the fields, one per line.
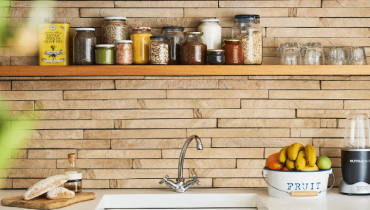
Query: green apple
x=323 y=163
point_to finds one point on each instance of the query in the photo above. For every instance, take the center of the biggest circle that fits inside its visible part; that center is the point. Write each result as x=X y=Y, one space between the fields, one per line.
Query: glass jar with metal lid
x=84 y=42
x=252 y=43
x=175 y=36
x=158 y=50
x=124 y=52
x=241 y=22
x=211 y=32
x=140 y=44
x=215 y=57
x=233 y=52
x=114 y=29
x=104 y=54
x=193 y=49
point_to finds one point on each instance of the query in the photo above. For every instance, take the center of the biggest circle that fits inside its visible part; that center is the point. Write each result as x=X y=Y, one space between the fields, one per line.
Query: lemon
x=323 y=163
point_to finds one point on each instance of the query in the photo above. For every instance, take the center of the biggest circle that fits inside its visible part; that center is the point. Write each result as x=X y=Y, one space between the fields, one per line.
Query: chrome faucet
x=181 y=186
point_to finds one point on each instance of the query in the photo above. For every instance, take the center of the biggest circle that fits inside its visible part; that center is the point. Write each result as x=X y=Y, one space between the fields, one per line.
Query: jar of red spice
x=124 y=52
x=233 y=52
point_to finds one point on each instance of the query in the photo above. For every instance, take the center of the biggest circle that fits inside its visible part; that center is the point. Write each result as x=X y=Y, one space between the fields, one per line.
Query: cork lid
x=72 y=156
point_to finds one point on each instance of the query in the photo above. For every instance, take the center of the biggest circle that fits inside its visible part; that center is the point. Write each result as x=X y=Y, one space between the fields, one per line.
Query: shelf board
x=180 y=70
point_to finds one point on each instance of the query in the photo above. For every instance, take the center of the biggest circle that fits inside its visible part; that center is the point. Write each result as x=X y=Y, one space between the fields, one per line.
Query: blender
x=355 y=156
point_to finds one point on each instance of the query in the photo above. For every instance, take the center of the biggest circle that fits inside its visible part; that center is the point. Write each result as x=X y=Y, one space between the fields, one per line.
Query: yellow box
x=54 y=44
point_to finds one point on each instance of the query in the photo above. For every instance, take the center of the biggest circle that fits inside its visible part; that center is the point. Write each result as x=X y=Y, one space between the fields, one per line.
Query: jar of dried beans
x=159 y=50
x=140 y=44
x=114 y=29
x=233 y=52
x=193 y=49
x=175 y=36
x=252 y=44
x=84 y=42
x=124 y=52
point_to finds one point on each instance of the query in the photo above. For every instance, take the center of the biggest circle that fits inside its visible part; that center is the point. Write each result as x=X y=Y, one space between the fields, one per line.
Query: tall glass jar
x=175 y=36
x=84 y=42
x=124 y=52
x=252 y=44
x=114 y=29
x=193 y=49
x=233 y=52
x=104 y=54
x=241 y=22
x=140 y=44
x=211 y=32
x=159 y=50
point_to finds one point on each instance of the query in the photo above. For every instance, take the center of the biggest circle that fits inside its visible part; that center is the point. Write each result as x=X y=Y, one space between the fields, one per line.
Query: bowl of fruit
x=296 y=172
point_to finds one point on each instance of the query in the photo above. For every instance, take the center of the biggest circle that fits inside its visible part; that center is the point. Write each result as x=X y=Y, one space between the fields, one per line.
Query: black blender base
x=359 y=188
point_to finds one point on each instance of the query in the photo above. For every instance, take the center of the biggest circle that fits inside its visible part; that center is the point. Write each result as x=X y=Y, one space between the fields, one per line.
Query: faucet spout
x=182 y=154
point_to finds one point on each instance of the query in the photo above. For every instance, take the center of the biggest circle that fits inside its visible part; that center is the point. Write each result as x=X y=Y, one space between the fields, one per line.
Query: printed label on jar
x=74 y=177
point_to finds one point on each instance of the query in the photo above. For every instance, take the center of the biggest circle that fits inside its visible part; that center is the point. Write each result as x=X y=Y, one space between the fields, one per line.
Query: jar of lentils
x=124 y=52
x=84 y=42
x=193 y=49
x=104 y=54
x=175 y=36
x=233 y=52
x=140 y=44
x=159 y=50
x=114 y=29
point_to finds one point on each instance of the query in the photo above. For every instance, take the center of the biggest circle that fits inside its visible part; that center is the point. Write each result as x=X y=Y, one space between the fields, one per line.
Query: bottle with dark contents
x=193 y=49
x=175 y=36
x=215 y=57
x=233 y=52
x=84 y=42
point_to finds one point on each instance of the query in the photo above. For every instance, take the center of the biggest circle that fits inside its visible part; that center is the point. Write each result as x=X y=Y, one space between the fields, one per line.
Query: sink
x=189 y=200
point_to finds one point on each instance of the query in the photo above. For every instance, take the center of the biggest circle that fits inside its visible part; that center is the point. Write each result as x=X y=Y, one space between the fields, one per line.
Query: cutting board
x=44 y=203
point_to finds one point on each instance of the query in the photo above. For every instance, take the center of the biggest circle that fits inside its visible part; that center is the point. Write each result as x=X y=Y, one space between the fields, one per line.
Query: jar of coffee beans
x=193 y=49
x=114 y=29
x=159 y=50
x=124 y=52
x=84 y=42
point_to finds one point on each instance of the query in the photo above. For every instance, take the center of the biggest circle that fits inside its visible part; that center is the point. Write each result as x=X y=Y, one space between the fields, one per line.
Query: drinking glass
x=356 y=56
x=336 y=56
x=313 y=54
x=357 y=131
x=291 y=54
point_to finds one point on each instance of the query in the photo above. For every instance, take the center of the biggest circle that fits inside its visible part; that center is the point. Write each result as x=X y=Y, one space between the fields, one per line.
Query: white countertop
x=333 y=200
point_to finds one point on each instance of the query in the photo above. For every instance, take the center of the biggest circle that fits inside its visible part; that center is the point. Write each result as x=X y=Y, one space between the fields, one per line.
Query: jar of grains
x=193 y=49
x=104 y=54
x=140 y=44
x=233 y=52
x=175 y=36
x=124 y=52
x=159 y=50
x=114 y=29
x=84 y=42
x=242 y=21
x=211 y=32
x=252 y=44
x=215 y=57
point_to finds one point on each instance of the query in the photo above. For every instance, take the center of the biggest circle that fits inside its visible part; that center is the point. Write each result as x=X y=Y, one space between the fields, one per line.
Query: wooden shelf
x=200 y=70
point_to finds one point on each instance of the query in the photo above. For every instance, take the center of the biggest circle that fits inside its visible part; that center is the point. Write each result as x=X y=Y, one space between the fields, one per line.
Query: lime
x=323 y=163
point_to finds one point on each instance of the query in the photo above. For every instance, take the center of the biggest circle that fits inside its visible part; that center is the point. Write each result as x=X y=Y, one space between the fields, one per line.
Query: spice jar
x=84 y=42
x=175 y=36
x=233 y=52
x=215 y=57
x=124 y=52
x=241 y=22
x=158 y=50
x=114 y=29
x=104 y=54
x=211 y=32
x=252 y=45
x=140 y=44
x=193 y=49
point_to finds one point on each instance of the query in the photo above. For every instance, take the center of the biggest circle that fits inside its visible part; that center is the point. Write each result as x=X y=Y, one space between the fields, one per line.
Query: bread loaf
x=60 y=193
x=44 y=186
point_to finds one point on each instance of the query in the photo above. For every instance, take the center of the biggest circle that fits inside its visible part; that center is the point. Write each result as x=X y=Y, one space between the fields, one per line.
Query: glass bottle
x=211 y=32
x=175 y=36
x=114 y=29
x=193 y=49
x=74 y=174
x=84 y=42
x=241 y=22
x=140 y=45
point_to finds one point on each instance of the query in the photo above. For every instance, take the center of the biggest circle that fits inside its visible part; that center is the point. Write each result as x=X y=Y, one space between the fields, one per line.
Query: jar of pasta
x=252 y=44
x=140 y=44
x=124 y=52
x=114 y=29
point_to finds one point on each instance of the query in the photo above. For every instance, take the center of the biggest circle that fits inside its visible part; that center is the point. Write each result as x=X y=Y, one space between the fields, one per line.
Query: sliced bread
x=44 y=186
x=60 y=193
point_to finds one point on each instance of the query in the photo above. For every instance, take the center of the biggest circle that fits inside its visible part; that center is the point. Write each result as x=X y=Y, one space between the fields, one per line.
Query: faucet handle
x=196 y=180
x=164 y=179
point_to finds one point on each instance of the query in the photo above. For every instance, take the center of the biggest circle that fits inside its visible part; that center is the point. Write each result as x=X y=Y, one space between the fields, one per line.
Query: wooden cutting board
x=44 y=203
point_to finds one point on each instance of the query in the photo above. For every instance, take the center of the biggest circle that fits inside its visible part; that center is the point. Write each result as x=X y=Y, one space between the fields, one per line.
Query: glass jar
x=158 y=50
x=104 y=54
x=84 y=42
x=211 y=32
x=124 y=52
x=215 y=57
x=241 y=22
x=193 y=49
x=140 y=44
x=114 y=29
x=175 y=36
x=233 y=52
x=252 y=45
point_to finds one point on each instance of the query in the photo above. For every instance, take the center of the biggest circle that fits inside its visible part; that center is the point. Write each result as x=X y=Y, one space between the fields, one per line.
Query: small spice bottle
x=140 y=44
x=193 y=49
x=114 y=29
x=159 y=50
x=124 y=52
x=84 y=42
x=233 y=52
x=104 y=54
x=215 y=57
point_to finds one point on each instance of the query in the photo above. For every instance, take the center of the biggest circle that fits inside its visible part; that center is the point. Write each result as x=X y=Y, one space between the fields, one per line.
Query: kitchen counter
x=333 y=200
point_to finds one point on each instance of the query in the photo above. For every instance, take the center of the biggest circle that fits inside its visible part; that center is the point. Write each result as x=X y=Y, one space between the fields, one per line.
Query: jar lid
x=142 y=28
x=193 y=33
x=115 y=18
x=215 y=50
x=247 y=17
x=231 y=40
x=124 y=41
x=85 y=29
x=104 y=45
x=210 y=20
x=159 y=37
x=173 y=28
